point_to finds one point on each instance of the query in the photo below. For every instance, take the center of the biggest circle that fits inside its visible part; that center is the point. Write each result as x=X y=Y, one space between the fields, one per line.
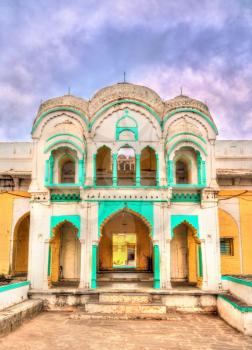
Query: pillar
x=170 y=173
x=47 y=172
x=51 y=166
x=46 y=258
x=94 y=169
x=156 y=267
x=204 y=265
x=81 y=171
x=168 y=263
x=114 y=175
x=203 y=172
x=157 y=170
x=138 y=171
x=94 y=259
x=199 y=165
x=82 y=267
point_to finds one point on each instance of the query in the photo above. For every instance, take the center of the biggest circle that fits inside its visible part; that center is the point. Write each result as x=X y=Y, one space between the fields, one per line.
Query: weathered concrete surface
x=14 y=316
x=54 y=331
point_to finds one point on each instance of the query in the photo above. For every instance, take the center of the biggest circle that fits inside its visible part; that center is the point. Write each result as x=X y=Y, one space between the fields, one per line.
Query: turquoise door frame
x=108 y=209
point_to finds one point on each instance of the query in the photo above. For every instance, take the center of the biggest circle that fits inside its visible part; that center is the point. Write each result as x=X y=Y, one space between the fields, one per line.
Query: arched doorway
x=125 y=244
x=65 y=255
x=186 y=264
x=21 y=246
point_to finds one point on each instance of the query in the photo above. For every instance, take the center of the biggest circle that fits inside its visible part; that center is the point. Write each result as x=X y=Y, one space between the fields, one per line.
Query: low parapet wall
x=240 y=288
x=13 y=293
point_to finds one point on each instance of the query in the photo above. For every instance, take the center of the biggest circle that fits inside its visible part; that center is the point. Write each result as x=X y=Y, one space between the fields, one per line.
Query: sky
x=48 y=46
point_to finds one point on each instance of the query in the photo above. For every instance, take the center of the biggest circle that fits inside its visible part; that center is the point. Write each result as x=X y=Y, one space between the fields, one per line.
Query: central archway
x=125 y=243
x=65 y=255
x=186 y=265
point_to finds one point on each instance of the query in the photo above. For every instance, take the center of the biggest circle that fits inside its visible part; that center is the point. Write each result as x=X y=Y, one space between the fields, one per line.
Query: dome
x=126 y=91
x=64 y=101
x=183 y=101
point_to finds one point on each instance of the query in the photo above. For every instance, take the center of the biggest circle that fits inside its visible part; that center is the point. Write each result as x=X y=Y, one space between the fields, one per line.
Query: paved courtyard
x=53 y=331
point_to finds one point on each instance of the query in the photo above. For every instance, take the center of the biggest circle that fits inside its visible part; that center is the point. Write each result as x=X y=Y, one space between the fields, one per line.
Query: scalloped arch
x=74 y=117
x=69 y=109
x=142 y=209
x=111 y=216
x=57 y=221
x=190 y=220
x=105 y=116
x=192 y=110
x=193 y=118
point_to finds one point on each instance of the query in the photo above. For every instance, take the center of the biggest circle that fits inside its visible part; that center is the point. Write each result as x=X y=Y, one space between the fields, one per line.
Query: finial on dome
x=181 y=90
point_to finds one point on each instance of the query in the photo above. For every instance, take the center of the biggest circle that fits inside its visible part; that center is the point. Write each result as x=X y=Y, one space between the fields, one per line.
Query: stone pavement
x=57 y=331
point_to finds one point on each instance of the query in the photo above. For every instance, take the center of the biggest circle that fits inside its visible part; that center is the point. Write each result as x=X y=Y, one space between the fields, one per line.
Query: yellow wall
x=6 y=212
x=21 y=246
x=228 y=228
x=246 y=231
x=230 y=265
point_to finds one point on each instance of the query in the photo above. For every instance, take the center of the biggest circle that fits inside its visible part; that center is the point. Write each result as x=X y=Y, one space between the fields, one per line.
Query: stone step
x=134 y=316
x=125 y=298
x=119 y=308
x=12 y=317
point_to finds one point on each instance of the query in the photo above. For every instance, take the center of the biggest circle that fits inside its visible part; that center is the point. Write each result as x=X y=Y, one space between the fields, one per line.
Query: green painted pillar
x=49 y=261
x=94 y=169
x=157 y=170
x=170 y=172
x=138 y=169
x=47 y=172
x=94 y=257
x=156 y=267
x=51 y=166
x=203 y=172
x=199 y=165
x=114 y=175
x=81 y=171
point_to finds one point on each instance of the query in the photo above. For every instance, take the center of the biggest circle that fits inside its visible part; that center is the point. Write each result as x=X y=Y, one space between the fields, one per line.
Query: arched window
x=182 y=173
x=67 y=170
x=103 y=167
x=148 y=167
x=126 y=166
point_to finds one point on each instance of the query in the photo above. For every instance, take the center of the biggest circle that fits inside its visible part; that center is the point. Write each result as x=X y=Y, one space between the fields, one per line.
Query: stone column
x=94 y=262
x=157 y=170
x=82 y=267
x=114 y=169
x=51 y=166
x=94 y=169
x=156 y=265
x=168 y=263
x=46 y=264
x=204 y=265
x=138 y=169
x=81 y=171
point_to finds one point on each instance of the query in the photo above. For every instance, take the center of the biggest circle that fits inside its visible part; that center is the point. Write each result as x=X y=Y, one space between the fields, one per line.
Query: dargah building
x=125 y=189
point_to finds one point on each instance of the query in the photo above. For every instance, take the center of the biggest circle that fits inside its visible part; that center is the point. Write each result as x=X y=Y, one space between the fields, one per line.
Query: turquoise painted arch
x=108 y=209
x=58 y=109
x=60 y=219
x=129 y=101
x=192 y=110
x=184 y=140
x=191 y=220
x=59 y=142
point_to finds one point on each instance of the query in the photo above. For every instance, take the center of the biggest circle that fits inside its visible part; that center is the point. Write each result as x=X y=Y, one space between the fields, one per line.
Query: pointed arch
x=57 y=221
x=190 y=220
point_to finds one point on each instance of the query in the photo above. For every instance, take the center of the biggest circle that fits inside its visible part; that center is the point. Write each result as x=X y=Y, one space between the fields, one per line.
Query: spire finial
x=69 y=90
x=124 y=77
x=181 y=90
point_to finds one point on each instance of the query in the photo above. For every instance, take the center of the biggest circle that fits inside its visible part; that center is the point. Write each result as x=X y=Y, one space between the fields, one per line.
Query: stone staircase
x=124 y=305
x=124 y=280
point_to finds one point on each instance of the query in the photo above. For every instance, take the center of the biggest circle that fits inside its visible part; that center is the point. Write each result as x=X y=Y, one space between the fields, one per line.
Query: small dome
x=185 y=101
x=125 y=91
x=64 y=101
